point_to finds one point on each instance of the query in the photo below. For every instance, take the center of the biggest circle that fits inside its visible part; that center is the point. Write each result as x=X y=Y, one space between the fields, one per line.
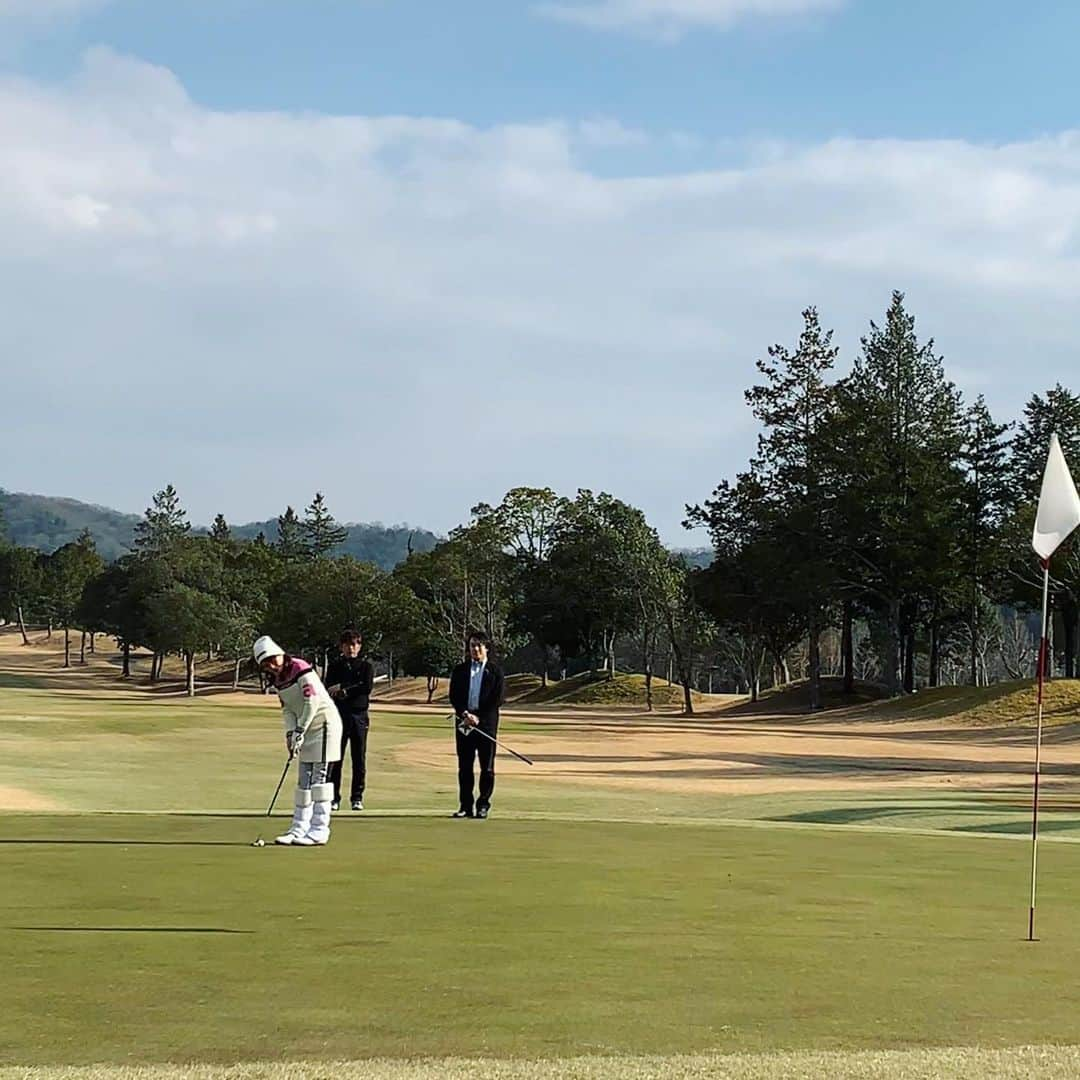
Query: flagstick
x=1038 y=748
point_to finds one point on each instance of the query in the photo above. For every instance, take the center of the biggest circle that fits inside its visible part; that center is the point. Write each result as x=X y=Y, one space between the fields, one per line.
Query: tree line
x=882 y=505
x=556 y=581
x=879 y=533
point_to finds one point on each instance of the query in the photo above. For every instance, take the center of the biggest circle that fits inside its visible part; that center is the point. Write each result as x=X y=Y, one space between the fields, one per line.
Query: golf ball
x=259 y=843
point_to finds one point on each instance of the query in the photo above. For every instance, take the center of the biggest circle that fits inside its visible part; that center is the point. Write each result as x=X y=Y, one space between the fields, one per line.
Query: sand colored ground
x=716 y=752
x=960 y=1063
x=39 y=665
x=767 y=755
x=12 y=798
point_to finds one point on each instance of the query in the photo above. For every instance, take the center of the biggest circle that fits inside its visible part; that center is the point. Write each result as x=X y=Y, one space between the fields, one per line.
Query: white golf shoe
x=301 y=821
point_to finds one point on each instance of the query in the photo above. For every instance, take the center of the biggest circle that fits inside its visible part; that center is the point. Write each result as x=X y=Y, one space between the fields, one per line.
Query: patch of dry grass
x=794 y=698
x=595 y=689
x=589 y=689
x=1014 y=1063
x=1002 y=705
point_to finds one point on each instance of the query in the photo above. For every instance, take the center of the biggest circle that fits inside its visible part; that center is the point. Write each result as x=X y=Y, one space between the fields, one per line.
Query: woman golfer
x=312 y=733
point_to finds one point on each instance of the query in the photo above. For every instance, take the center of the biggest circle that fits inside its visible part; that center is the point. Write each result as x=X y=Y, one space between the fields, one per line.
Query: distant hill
x=699 y=557
x=46 y=522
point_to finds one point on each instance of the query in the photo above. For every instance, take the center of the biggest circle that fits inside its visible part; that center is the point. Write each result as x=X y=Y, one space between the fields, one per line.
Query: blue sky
x=415 y=253
x=982 y=69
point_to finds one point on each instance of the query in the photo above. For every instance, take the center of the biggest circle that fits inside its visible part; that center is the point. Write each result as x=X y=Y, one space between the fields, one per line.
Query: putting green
x=581 y=928
x=169 y=938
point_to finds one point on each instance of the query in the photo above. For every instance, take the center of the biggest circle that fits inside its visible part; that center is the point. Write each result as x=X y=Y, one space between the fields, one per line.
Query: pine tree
x=1056 y=413
x=320 y=530
x=290 y=541
x=163 y=526
x=796 y=405
x=898 y=441
x=985 y=460
x=771 y=530
x=220 y=530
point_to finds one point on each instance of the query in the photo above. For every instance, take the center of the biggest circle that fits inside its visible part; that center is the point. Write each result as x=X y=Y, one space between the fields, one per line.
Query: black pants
x=354 y=731
x=468 y=747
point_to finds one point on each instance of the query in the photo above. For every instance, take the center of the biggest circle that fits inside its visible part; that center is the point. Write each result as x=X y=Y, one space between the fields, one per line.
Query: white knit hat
x=265 y=647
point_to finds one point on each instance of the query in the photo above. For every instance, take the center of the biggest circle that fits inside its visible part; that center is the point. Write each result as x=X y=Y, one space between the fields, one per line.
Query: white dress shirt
x=476 y=677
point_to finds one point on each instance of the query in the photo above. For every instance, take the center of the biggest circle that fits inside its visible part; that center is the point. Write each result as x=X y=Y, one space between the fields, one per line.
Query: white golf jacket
x=306 y=705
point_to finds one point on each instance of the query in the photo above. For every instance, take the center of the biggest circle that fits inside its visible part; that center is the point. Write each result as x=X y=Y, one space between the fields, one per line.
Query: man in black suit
x=349 y=680
x=476 y=692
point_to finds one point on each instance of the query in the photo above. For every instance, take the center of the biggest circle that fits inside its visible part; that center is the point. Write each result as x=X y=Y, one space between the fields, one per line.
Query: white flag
x=1059 y=504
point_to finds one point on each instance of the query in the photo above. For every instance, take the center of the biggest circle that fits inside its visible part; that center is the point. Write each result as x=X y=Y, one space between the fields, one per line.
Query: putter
x=466 y=730
x=258 y=841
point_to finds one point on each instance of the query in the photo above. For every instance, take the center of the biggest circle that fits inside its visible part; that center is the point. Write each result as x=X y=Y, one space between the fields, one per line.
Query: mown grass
x=551 y=940
x=167 y=938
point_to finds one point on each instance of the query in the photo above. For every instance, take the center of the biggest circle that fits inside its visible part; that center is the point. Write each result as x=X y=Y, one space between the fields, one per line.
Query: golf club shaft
x=284 y=773
x=501 y=746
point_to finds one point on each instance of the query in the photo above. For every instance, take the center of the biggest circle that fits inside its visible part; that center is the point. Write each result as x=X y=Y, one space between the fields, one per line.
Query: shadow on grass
x=126 y=843
x=731 y=765
x=10 y=681
x=130 y=930
x=854 y=815
x=847 y=815
x=281 y=814
x=1021 y=828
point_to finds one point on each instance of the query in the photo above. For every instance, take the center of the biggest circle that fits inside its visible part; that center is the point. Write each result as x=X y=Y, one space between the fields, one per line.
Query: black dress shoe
x=462 y=813
x=481 y=811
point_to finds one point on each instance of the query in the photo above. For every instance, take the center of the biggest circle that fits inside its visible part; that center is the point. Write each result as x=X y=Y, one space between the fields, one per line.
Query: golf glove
x=294 y=739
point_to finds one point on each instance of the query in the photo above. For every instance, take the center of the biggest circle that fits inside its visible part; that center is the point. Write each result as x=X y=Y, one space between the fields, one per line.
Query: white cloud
x=414 y=314
x=605 y=131
x=671 y=17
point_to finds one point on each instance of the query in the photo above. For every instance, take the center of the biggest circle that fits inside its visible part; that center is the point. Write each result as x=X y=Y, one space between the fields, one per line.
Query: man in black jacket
x=349 y=680
x=476 y=692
